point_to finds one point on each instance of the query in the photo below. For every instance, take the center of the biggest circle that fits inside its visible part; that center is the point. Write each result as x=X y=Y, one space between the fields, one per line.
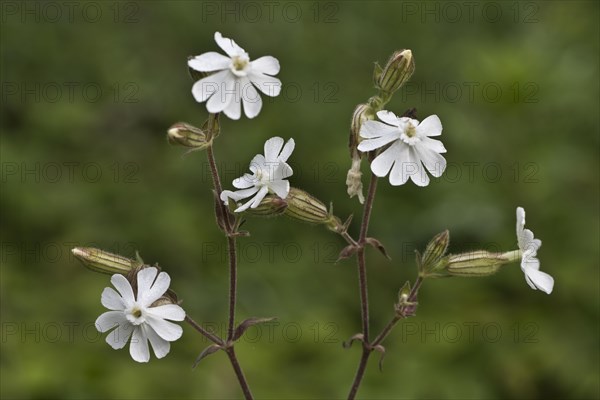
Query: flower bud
x=304 y=207
x=270 y=206
x=475 y=263
x=397 y=71
x=435 y=250
x=187 y=135
x=362 y=113
x=103 y=261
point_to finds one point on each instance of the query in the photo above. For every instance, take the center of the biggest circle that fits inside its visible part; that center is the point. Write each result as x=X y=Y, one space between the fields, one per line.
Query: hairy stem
x=232 y=252
x=362 y=283
x=212 y=337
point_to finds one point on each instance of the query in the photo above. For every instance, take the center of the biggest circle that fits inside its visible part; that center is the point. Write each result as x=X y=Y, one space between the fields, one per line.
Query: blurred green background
x=89 y=89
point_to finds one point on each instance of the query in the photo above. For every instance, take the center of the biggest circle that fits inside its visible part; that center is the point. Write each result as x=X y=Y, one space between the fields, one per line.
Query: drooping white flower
x=530 y=265
x=268 y=175
x=411 y=147
x=234 y=79
x=134 y=316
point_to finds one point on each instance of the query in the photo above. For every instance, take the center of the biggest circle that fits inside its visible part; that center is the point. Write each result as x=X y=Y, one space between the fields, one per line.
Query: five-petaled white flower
x=234 y=79
x=530 y=265
x=135 y=317
x=411 y=146
x=268 y=175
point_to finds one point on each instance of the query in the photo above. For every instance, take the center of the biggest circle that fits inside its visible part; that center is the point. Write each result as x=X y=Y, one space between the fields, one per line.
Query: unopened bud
x=434 y=252
x=475 y=263
x=362 y=113
x=304 y=207
x=187 y=135
x=103 y=261
x=270 y=206
x=397 y=71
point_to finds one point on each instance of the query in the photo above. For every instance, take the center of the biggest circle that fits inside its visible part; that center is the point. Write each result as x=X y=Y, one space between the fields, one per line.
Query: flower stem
x=239 y=373
x=362 y=283
x=232 y=251
x=203 y=331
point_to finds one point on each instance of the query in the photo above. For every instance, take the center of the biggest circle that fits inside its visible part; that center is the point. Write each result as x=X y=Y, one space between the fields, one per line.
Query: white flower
x=268 y=175
x=234 y=79
x=529 y=262
x=137 y=318
x=411 y=147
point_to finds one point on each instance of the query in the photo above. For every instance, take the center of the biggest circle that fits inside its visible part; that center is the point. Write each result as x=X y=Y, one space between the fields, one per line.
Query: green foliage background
x=540 y=133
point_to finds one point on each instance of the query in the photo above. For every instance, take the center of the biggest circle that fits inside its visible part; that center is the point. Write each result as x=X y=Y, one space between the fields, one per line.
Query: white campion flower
x=135 y=317
x=530 y=265
x=234 y=80
x=411 y=147
x=268 y=175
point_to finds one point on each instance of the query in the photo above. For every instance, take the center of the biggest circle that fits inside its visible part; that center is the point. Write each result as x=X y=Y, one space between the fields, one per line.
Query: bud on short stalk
x=396 y=72
x=304 y=207
x=432 y=262
x=187 y=135
x=103 y=261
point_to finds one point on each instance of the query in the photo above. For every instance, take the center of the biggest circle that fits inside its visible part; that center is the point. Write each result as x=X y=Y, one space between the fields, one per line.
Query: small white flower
x=411 y=147
x=268 y=175
x=234 y=79
x=137 y=318
x=530 y=265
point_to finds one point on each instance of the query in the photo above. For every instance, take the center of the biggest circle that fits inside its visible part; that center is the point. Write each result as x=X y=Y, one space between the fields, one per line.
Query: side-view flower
x=234 y=79
x=411 y=147
x=530 y=264
x=137 y=315
x=268 y=175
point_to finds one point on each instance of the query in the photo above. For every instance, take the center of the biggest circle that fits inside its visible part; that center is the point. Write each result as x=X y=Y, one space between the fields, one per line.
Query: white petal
x=252 y=101
x=372 y=129
x=434 y=162
x=388 y=117
x=259 y=196
x=287 y=150
x=372 y=144
x=266 y=65
x=209 y=62
x=160 y=346
x=210 y=85
x=118 y=338
x=234 y=108
x=382 y=164
x=165 y=329
x=124 y=287
x=244 y=206
x=138 y=349
x=267 y=84
x=529 y=260
x=145 y=278
x=228 y=45
x=110 y=320
x=540 y=280
x=238 y=194
x=433 y=144
x=244 y=181
x=227 y=92
x=280 y=188
x=112 y=300
x=282 y=171
x=257 y=163
x=402 y=166
x=418 y=175
x=430 y=126
x=172 y=312
x=272 y=148
x=160 y=286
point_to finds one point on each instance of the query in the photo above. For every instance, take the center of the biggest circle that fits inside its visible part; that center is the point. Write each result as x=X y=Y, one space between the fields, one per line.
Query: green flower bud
x=475 y=263
x=434 y=252
x=397 y=71
x=270 y=206
x=304 y=207
x=103 y=261
x=187 y=135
